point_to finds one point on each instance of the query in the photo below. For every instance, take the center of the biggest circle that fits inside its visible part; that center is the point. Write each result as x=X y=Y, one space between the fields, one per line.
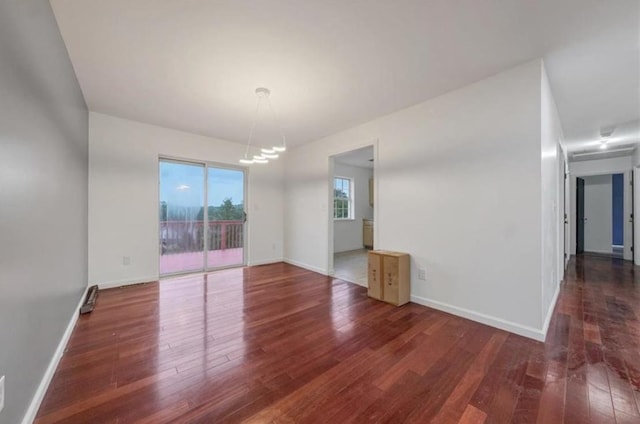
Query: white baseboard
x=522 y=330
x=357 y=284
x=36 y=401
x=333 y=274
x=306 y=266
x=552 y=307
x=265 y=262
x=126 y=282
x=603 y=252
x=320 y=271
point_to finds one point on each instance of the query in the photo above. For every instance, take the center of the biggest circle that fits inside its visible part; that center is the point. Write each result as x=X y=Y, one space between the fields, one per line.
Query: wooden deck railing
x=187 y=236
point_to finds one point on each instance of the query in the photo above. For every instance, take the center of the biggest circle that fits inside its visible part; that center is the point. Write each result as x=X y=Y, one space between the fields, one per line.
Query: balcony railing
x=188 y=236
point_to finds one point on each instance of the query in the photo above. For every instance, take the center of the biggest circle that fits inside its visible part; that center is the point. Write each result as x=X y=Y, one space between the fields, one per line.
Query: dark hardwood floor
x=280 y=344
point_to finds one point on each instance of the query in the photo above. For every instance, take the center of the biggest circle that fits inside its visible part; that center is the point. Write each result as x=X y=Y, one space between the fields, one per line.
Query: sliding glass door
x=192 y=237
x=225 y=196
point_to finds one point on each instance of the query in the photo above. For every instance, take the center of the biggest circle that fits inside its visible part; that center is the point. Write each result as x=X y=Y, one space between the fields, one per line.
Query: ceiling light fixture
x=265 y=153
x=605 y=133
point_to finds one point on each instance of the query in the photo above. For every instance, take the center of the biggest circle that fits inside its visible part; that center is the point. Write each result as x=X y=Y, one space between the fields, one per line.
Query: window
x=342 y=198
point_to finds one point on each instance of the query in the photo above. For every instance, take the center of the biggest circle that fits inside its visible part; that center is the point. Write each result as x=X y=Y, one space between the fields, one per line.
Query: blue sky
x=182 y=184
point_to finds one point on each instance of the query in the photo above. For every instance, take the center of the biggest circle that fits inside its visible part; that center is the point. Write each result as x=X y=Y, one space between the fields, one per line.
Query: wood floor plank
x=280 y=344
x=472 y=415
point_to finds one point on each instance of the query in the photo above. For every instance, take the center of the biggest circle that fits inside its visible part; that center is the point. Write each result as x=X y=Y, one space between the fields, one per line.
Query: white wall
x=597 y=212
x=43 y=209
x=123 y=196
x=602 y=167
x=458 y=187
x=348 y=233
x=552 y=179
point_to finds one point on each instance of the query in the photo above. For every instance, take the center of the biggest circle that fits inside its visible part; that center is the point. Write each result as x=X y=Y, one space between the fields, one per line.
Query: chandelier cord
x=275 y=118
x=253 y=127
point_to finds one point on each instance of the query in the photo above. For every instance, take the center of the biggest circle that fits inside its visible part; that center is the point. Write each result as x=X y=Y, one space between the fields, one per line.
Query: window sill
x=344 y=219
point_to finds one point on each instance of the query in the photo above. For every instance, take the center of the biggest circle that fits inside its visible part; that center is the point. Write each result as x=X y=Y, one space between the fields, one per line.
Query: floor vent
x=90 y=301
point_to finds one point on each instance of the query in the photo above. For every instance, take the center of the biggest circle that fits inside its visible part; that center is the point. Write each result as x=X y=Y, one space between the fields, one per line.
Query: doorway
x=351 y=213
x=194 y=237
x=579 y=215
x=600 y=204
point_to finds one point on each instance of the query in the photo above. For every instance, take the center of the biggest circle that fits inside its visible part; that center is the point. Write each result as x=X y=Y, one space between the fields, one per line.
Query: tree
x=337 y=193
x=340 y=204
x=227 y=211
x=163 y=211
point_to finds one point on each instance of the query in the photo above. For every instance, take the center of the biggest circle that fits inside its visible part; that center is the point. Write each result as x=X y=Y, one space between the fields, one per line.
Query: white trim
x=245 y=201
x=599 y=251
x=128 y=282
x=319 y=271
x=330 y=181
x=38 y=396
x=611 y=171
x=306 y=266
x=552 y=307
x=604 y=152
x=266 y=262
x=332 y=273
x=352 y=282
x=522 y=330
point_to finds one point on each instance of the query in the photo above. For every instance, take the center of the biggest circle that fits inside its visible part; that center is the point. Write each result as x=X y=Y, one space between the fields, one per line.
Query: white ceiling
x=193 y=65
x=362 y=158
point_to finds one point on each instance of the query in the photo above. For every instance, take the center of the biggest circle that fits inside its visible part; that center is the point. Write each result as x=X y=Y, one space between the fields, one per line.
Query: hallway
x=592 y=353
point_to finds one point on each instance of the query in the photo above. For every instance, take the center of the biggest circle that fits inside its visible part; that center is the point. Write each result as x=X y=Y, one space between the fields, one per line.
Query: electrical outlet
x=422 y=274
x=1 y=393
x=126 y=260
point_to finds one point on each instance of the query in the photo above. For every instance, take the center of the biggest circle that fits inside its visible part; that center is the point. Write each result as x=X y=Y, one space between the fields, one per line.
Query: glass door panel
x=182 y=228
x=226 y=228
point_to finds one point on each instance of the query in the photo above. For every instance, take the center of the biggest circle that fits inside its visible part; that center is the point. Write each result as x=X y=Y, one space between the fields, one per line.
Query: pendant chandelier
x=266 y=153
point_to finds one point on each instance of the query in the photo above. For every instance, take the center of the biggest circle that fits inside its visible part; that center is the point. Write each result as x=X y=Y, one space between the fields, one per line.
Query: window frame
x=350 y=199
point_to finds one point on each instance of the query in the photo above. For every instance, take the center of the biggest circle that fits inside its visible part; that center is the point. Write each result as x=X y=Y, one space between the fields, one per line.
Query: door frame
x=245 y=230
x=568 y=219
x=580 y=220
x=629 y=208
x=330 y=222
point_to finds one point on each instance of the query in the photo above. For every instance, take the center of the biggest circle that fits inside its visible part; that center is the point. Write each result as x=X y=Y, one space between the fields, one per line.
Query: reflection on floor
x=351 y=266
x=616 y=252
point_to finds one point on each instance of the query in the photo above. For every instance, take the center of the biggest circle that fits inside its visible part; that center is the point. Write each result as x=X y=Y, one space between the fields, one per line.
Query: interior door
x=579 y=215
x=226 y=217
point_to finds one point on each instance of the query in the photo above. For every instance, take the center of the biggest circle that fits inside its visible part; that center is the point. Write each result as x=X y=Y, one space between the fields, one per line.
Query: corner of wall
x=552 y=226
